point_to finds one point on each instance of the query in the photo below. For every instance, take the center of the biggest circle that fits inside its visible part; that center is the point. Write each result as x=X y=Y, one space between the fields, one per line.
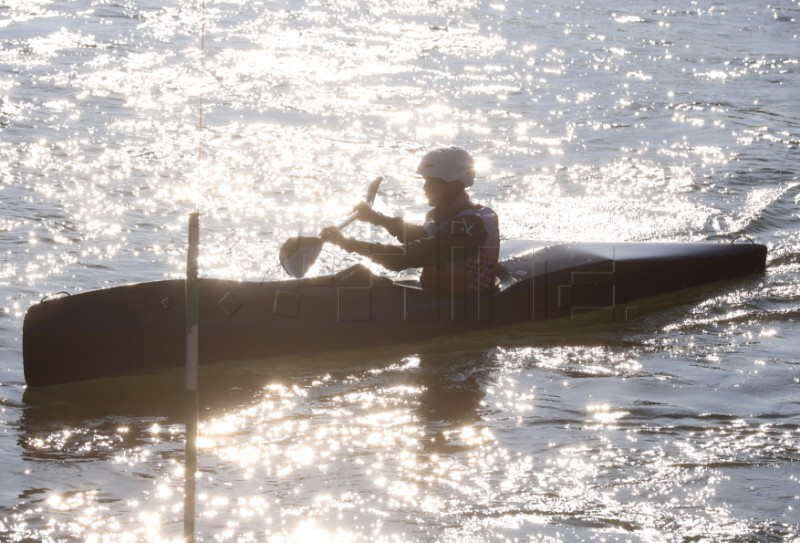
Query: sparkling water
x=638 y=121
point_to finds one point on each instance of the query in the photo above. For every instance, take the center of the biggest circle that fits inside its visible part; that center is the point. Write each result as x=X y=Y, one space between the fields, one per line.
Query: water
x=591 y=121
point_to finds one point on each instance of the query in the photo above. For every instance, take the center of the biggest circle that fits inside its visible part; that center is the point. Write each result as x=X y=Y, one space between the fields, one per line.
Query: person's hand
x=330 y=234
x=365 y=213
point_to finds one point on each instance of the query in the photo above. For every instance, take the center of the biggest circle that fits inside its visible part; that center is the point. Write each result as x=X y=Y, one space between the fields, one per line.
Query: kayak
x=140 y=328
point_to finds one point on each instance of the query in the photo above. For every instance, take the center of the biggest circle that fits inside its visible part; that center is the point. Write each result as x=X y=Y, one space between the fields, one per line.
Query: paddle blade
x=372 y=190
x=298 y=254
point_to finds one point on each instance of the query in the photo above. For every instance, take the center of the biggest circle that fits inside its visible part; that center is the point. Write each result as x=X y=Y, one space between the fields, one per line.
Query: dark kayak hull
x=141 y=328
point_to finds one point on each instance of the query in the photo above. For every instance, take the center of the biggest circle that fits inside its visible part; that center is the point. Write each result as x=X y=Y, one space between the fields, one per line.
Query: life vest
x=474 y=275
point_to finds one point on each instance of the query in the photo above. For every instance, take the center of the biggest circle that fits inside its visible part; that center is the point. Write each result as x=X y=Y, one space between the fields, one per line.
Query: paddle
x=299 y=253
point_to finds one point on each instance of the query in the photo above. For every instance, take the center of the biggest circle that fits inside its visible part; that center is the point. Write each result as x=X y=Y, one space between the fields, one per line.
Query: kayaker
x=457 y=246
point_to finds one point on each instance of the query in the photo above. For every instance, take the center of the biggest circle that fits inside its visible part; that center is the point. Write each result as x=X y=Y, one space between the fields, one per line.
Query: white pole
x=192 y=321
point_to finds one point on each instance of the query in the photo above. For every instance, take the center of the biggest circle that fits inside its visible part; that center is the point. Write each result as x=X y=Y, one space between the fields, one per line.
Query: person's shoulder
x=478 y=212
x=483 y=209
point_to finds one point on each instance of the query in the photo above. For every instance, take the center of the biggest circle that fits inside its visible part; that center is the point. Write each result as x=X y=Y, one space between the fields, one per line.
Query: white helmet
x=449 y=164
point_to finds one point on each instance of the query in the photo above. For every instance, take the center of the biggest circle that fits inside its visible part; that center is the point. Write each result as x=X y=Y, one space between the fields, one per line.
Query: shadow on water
x=149 y=396
x=453 y=388
x=91 y=420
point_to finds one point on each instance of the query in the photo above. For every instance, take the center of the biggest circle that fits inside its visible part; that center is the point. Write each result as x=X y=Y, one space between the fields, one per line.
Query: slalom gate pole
x=192 y=416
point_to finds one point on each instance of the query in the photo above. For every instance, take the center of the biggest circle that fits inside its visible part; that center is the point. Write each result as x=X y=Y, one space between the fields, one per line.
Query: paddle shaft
x=352 y=217
x=372 y=191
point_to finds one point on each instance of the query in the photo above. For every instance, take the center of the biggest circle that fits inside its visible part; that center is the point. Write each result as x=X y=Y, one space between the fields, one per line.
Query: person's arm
x=462 y=238
x=403 y=231
x=396 y=226
x=417 y=254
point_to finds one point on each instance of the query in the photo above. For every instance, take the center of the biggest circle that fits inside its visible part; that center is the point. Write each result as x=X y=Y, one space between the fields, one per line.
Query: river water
x=591 y=120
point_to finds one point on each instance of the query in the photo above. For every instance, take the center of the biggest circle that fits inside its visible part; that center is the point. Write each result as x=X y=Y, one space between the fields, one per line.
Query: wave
x=778 y=215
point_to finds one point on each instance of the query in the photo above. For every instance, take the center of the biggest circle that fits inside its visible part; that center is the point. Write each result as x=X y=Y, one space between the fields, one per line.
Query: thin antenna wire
x=201 y=104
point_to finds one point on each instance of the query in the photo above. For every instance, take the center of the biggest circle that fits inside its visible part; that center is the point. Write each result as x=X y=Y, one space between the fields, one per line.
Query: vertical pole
x=192 y=320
